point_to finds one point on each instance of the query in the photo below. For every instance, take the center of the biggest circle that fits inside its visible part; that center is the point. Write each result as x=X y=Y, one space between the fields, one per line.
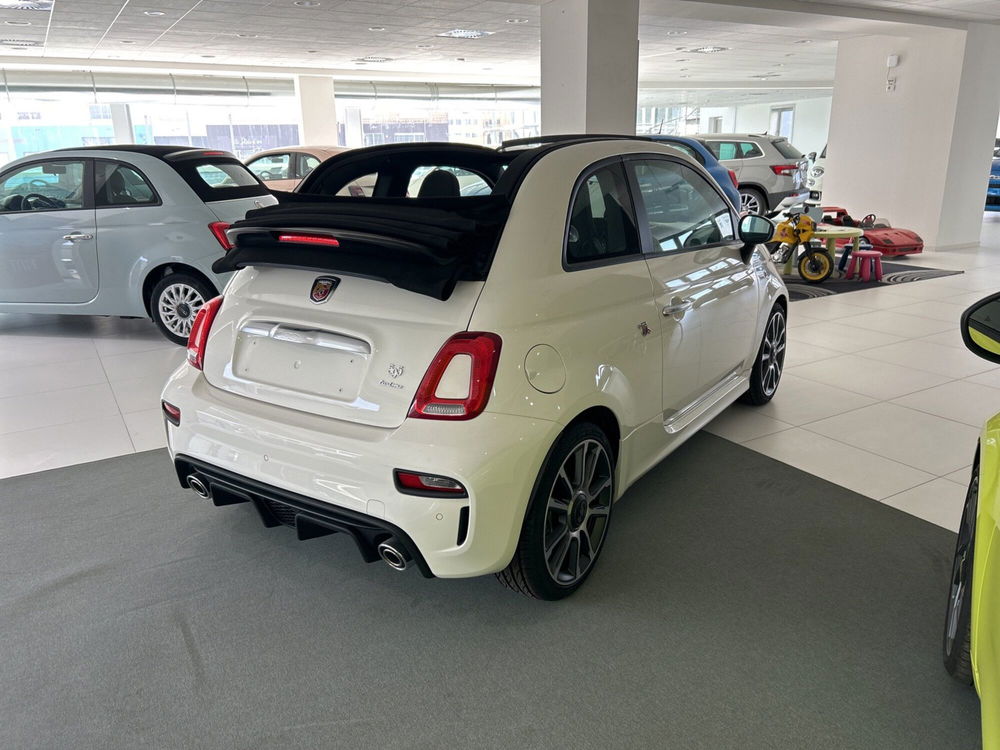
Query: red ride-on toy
x=878 y=233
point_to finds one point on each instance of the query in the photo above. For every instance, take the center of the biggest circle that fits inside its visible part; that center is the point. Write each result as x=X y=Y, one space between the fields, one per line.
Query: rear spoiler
x=422 y=245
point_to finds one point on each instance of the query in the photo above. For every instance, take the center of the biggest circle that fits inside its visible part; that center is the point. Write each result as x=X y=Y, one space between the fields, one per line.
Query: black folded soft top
x=424 y=245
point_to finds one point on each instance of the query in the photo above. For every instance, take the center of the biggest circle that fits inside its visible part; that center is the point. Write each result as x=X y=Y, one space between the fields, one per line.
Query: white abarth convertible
x=465 y=382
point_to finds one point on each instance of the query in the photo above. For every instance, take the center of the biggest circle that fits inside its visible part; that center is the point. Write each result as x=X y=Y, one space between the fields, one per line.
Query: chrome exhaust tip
x=394 y=555
x=199 y=487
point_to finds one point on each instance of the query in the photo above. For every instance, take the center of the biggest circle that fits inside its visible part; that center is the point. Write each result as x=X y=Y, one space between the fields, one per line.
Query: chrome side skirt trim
x=679 y=420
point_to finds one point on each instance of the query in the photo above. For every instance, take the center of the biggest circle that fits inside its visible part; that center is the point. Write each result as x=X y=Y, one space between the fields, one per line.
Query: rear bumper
x=310 y=518
x=341 y=474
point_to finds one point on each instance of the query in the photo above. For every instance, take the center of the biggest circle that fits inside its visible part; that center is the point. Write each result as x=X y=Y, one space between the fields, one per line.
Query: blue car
x=698 y=151
x=993 y=191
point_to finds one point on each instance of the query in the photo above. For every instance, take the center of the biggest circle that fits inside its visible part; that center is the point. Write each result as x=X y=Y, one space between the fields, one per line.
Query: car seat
x=440 y=184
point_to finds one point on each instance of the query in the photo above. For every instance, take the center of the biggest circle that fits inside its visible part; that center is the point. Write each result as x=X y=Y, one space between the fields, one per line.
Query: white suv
x=468 y=383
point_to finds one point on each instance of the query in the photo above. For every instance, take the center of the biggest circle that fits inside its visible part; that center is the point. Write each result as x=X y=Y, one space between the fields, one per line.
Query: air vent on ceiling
x=42 y=5
x=372 y=59
x=465 y=34
x=709 y=49
x=21 y=43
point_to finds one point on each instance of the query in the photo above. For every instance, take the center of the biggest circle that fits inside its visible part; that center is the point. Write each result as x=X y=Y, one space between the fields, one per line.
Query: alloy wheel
x=772 y=353
x=961 y=570
x=178 y=305
x=749 y=203
x=577 y=512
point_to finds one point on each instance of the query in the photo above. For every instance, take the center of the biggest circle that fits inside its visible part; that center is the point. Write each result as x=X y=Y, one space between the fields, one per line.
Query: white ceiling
x=335 y=33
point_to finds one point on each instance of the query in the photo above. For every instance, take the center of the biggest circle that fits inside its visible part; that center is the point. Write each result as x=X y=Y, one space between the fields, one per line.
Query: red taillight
x=218 y=230
x=199 y=332
x=415 y=483
x=309 y=239
x=732 y=176
x=468 y=388
x=784 y=169
x=171 y=413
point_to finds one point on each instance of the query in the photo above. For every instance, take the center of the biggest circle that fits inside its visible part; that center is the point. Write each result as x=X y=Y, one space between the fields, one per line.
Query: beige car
x=284 y=168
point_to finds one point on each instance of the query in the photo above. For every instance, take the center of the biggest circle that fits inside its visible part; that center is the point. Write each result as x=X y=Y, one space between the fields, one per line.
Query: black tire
x=957 y=641
x=530 y=570
x=770 y=362
x=815 y=267
x=750 y=197
x=167 y=294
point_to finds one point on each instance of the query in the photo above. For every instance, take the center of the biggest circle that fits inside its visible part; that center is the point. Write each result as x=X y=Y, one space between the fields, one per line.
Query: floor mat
x=892 y=273
x=739 y=603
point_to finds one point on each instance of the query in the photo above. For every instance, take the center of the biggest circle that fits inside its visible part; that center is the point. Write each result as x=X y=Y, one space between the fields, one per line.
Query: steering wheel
x=37 y=200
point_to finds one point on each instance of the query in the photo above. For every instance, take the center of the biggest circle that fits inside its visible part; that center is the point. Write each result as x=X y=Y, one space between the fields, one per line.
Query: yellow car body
x=985 y=649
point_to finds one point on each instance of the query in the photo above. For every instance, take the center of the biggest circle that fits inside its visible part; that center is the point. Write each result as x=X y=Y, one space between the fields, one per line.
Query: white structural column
x=590 y=66
x=317 y=110
x=913 y=143
x=121 y=121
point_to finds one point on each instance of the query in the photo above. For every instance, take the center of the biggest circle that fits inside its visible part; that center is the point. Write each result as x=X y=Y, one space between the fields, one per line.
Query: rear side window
x=787 y=150
x=219 y=179
x=686 y=150
x=601 y=222
x=121 y=185
x=682 y=210
x=734 y=149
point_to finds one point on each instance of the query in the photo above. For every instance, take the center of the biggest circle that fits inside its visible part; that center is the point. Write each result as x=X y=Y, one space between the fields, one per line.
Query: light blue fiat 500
x=120 y=230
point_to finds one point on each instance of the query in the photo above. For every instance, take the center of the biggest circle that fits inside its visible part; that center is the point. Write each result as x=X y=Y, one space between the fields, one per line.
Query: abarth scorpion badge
x=395 y=371
x=322 y=288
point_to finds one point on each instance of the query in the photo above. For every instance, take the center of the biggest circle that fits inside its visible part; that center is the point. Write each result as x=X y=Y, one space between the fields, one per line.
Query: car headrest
x=440 y=184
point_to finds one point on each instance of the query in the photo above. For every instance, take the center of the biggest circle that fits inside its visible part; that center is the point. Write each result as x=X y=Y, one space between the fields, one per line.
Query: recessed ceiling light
x=684 y=76
x=683 y=59
x=306 y=3
x=676 y=32
x=459 y=59
x=373 y=59
x=248 y=36
x=376 y=28
x=128 y=41
x=153 y=13
x=765 y=76
x=42 y=5
x=18 y=23
x=312 y=51
x=517 y=20
x=710 y=49
x=487 y=68
x=425 y=46
x=803 y=41
x=466 y=34
x=208 y=56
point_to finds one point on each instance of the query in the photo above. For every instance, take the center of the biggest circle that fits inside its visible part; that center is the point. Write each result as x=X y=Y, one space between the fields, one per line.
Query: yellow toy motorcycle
x=793 y=235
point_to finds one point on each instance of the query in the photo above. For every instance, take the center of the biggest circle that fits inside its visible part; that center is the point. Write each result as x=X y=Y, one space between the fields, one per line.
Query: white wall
x=728 y=115
x=920 y=154
x=809 y=127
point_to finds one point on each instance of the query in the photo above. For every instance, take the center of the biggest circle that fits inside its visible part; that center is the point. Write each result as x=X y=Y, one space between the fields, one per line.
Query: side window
x=362 y=187
x=724 y=150
x=749 y=150
x=307 y=163
x=120 y=185
x=445 y=182
x=682 y=209
x=43 y=186
x=601 y=223
x=273 y=167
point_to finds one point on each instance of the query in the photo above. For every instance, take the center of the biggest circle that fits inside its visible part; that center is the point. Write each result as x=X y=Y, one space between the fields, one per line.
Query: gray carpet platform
x=740 y=604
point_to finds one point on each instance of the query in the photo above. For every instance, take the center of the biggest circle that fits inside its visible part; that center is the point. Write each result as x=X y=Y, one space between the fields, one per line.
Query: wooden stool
x=867 y=263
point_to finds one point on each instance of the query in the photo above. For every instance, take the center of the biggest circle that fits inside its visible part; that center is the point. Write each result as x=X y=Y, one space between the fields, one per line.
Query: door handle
x=677 y=307
x=77 y=236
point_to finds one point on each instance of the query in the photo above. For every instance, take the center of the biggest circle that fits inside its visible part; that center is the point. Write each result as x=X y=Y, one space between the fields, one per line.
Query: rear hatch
x=342 y=304
x=793 y=156
x=359 y=355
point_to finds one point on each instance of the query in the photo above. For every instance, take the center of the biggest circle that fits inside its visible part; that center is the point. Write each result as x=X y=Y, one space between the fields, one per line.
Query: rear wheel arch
x=605 y=419
x=162 y=271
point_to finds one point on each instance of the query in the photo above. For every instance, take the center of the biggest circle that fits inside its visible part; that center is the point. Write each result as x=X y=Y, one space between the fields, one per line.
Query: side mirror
x=981 y=328
x=756 y=230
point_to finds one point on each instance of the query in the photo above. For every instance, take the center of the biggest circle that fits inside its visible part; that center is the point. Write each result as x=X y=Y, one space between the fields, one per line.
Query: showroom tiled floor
x=879 y=394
